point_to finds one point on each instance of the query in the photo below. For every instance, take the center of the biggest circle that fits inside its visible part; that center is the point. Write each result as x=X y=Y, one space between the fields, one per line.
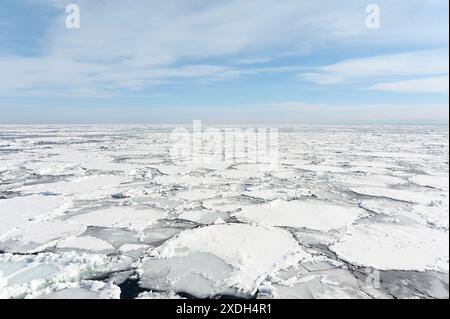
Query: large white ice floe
x=38 y=235
x=311 y=214
x=435 y=215
x=84 y=188
x=186 y=180
x=242 y=255
x=35 y=276
x=90 y=161
x=395 y=247
x=369 y=180
x=400 y=194
x=201 y=216
x=224 y=204
x=320 y=284
x=8 y=164
x=236 y=174
x=395 y=211
x=201 y=275
x=322 y=168
x=85 y=243
x=440 y=182
x=196 y=194
x=286 y=174
x=269 y=194
x=54 y=169
x=128 y=217
x=19 y=210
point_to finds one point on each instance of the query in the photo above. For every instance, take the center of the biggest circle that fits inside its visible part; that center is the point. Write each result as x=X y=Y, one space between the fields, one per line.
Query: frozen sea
x=105 y=211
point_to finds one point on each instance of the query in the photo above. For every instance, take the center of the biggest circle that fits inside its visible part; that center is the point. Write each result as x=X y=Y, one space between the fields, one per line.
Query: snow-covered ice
x=239 y=246
x=310 y=214
x=17 y=211
x=85 y=243
x=120 y=217
x=89 y=211
x=394 y=247
x=440 y=182
x=35 y=276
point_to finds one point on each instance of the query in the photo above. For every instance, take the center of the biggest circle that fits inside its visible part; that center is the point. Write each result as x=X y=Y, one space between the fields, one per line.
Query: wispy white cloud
x=56 y=76
x=433 y=85
x=419 y=63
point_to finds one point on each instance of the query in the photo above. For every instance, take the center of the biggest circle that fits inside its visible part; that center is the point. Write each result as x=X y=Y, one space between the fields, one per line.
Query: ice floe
x=84 y=187
x=41 y=234
x=250 y=252
x=312 y=214
x=440 y=182
x=395 y=247
x=120 y=217
x=38 y=275
x=399 y=194
x=198 y=274
x=16 y=211
x=196 y=194
x=372 y=180
x=201 y=216
x=269 y=194
x=324 y=284
x=85 y=243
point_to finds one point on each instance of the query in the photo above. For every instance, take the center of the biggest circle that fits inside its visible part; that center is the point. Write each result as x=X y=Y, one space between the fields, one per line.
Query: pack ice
x=103 y=211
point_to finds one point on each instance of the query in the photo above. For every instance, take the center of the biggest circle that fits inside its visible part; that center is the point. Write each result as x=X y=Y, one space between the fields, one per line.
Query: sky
x=224 y=61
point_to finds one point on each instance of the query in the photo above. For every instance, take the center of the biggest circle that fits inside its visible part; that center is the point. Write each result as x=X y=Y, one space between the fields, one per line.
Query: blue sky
x=233 y=61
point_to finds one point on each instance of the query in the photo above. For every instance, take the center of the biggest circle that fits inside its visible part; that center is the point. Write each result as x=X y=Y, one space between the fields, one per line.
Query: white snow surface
x=84 y=243
x=395 y=247
x=120 y=217
x=440 y=182
x=44 y=232
x=16 y=211
x=312 y=214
